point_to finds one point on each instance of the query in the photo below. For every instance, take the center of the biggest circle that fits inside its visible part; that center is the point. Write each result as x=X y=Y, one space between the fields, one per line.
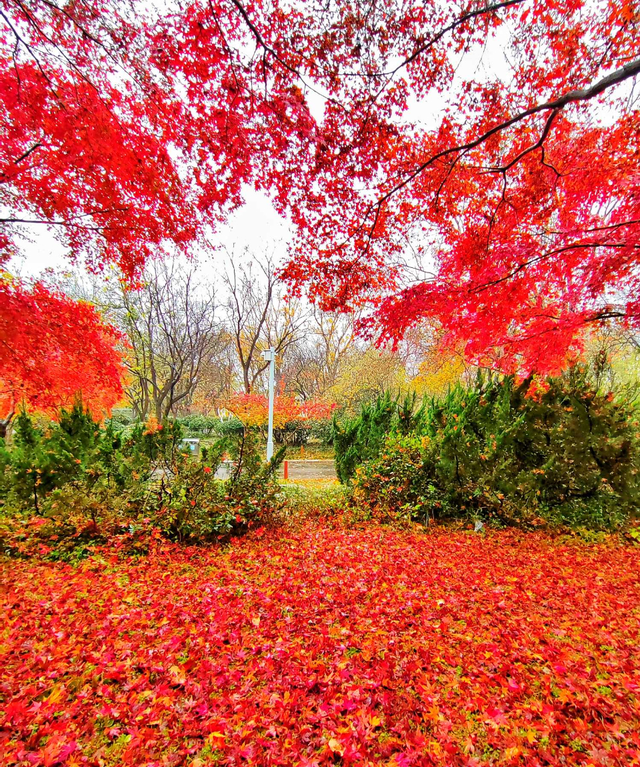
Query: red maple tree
x=127 y=131
x=523 y=192
x=55 y=349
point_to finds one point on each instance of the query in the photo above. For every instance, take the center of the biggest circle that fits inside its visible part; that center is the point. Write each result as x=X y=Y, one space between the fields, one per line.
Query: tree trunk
x=5 y=424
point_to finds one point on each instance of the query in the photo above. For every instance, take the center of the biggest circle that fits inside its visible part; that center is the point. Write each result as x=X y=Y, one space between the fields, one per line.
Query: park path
x=303 y=468
x=300 y=468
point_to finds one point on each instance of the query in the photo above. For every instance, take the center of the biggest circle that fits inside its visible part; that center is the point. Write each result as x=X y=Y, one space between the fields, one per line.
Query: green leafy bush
x=200 y=425
x=293 y=433
x=195 y=505
x=232 y=427
x=314 y=500
x=80 y=481
x=120 y=419
x=323 y=431
x=566 y=455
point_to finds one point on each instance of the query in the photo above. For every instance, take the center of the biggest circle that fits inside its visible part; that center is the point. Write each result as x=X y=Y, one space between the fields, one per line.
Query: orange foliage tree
x=253 y=409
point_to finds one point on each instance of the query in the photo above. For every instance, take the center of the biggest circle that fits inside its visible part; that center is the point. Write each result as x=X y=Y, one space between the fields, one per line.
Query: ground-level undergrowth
x=326 y=646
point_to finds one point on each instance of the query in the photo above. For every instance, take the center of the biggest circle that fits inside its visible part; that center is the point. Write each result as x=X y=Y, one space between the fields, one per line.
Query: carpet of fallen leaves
x=326 y=646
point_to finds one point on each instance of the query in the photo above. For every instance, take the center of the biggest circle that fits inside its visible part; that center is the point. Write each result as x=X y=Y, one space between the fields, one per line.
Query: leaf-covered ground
x=367 y=647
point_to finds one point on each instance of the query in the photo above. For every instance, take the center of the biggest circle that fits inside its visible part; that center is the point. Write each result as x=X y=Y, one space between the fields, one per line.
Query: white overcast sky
x=256 y=226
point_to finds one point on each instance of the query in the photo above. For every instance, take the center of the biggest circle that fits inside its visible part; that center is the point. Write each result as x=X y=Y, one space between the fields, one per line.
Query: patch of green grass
x=314 y=498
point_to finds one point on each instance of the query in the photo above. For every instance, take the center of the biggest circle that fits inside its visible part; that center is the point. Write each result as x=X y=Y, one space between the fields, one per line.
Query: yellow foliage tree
x=364 y=374
x=439 y=371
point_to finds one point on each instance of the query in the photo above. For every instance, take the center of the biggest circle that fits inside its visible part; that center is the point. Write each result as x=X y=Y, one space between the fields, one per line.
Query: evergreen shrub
x=561 y=453
x=361 y=438
x=78 y=480
x=197 y=425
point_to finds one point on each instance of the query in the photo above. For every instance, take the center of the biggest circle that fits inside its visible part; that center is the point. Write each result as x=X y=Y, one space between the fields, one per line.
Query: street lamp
x=270 y=355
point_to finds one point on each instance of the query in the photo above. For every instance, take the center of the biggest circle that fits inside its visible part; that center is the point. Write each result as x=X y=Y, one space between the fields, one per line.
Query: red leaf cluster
x=326 y=646
x=54 y=350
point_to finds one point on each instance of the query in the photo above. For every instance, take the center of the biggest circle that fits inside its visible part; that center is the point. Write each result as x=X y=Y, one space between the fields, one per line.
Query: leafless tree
x=313 y=364
x=217 y=379
x=172 y=329
x=259 y=317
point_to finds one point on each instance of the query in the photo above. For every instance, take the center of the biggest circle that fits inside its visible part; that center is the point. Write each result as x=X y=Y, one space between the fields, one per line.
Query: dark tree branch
x=449 y=28
x=21 y=41
x=538 y=145
x=272 y=52
x=27 y=153
x=614 y=78
x=549 y=254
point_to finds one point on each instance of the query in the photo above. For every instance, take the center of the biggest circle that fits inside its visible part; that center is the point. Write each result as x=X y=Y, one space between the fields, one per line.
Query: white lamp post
x=270 y=355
